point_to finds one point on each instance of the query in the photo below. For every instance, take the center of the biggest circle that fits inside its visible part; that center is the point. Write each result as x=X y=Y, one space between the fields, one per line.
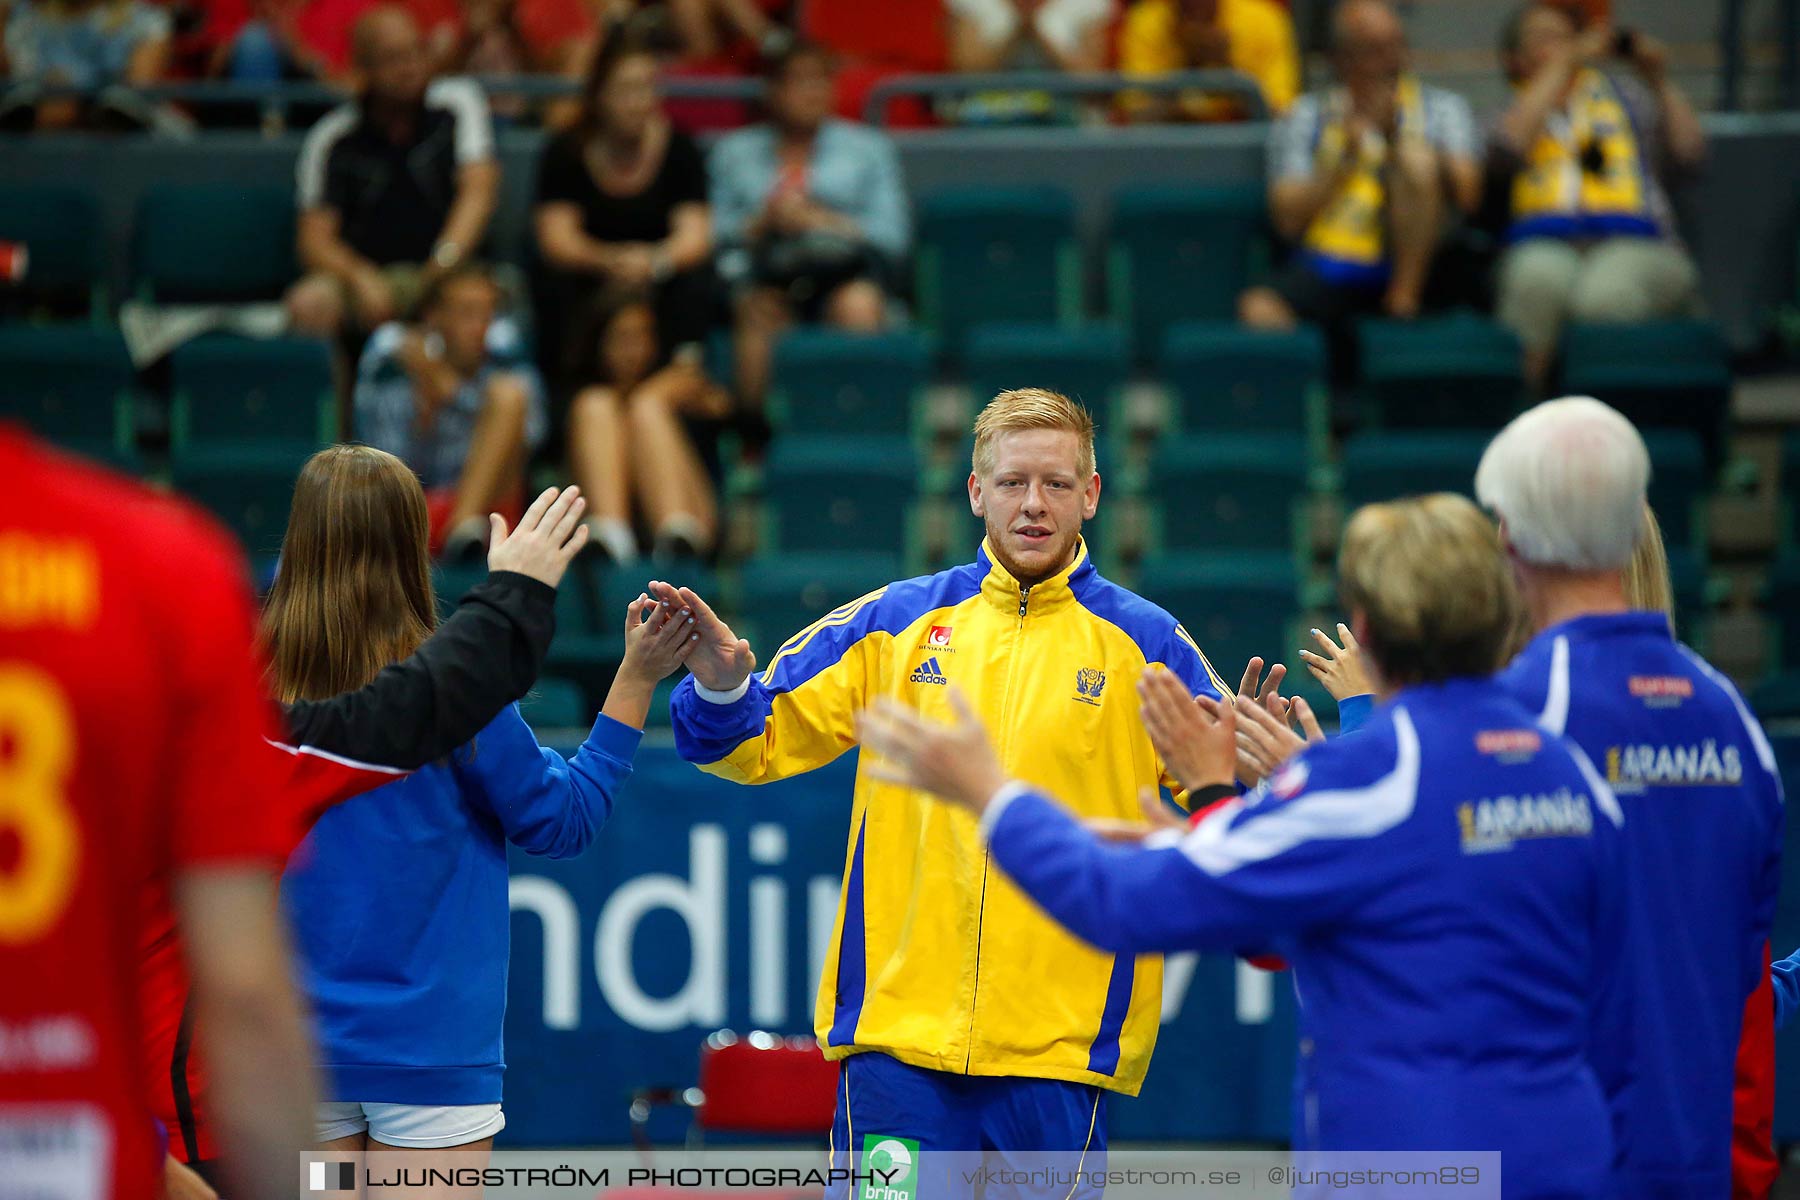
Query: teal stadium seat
x=1227 y=378
x=72 y=385
x=996 y=254
x=1689 y=583
x=1235 y=606
x=1790 y=489
x=1089 y=363
x=233 y=392
x=1386 y=466
x=826 y=381
x=828 y=492
x=452 y=581
x=60 y=229
x=1229 y=491
x=1678 y=485
x=555 y=704
x=1663 y=375
x=1781 y=598
x=586 y=650
x=781 y=594
x=1461 y=371
x=1777 y=697
x=1182 y=253
x=212 y=242
x=251 y=490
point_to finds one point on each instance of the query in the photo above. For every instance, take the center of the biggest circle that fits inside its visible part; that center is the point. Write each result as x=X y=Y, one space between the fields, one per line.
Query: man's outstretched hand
x=720 y=659
x=548 y=538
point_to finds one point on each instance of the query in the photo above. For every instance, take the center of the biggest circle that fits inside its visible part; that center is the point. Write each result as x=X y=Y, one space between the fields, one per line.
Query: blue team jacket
x=1447 y=886
x=398 y=900
x=1702 y=798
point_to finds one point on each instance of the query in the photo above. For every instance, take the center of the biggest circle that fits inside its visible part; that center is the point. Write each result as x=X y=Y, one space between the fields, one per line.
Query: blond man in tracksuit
x=966 y=1019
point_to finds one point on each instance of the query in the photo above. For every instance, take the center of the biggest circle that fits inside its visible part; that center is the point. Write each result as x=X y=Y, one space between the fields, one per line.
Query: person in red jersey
x=133 y=770
x=483 y=657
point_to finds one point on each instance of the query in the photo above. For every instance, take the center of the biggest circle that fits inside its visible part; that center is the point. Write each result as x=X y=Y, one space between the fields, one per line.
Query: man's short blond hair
x=1429 y=576
x=1032 y=408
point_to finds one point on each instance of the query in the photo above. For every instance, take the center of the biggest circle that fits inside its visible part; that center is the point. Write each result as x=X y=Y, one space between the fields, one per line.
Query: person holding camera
x=1580 y=158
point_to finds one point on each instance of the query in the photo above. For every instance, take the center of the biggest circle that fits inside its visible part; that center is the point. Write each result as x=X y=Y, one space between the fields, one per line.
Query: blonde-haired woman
x=399 y=897
x=1446 y=883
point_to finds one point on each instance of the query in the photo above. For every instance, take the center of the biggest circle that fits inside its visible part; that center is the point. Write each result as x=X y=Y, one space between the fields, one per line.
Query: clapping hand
x=1340 y=668
x=1264 y=741
x=549 y=536
x=720 y=659
x=1196 y=736
x=658 y=639
x=1268 y=692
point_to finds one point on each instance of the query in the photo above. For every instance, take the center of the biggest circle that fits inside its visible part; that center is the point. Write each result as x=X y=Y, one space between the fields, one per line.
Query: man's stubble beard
x=1031 y=579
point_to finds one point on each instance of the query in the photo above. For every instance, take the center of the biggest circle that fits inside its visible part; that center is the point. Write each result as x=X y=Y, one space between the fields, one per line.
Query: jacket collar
x=999 y=587
x=1635 y=623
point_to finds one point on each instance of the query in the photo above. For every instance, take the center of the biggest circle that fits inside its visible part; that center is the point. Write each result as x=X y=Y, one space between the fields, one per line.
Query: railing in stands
x=1232 y=84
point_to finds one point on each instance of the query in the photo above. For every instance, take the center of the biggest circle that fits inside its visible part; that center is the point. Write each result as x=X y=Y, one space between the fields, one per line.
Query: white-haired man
x=1691 y=767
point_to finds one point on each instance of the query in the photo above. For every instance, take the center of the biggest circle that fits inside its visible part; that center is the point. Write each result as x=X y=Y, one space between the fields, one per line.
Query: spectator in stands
x=87 y=44
x=811 y=212
x=621 y=203
x=1594 y=129
x=457 y=399
x=1252 y=36
x=633 y=432
x=1024 y=35
x=395 y=188
x=1364 y=179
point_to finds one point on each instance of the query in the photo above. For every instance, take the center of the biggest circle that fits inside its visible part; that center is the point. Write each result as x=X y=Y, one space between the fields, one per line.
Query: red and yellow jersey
x=937 y=959
x=132 y=745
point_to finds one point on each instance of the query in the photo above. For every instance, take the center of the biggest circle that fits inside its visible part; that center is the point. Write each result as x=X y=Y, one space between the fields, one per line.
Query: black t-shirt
x=392 y=200
x=563 y=177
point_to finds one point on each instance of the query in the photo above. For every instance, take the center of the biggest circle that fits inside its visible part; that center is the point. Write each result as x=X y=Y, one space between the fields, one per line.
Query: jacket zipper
x=1006 y=736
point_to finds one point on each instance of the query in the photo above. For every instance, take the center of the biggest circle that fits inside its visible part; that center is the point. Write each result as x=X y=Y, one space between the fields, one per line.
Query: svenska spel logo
x=893 y=1164
x=939 y=636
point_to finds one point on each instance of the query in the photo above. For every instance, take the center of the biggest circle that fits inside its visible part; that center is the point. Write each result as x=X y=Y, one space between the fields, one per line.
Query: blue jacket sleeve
x=1785 y=976
x=705 y=731
x=1213 y=889
x=1353 y=711
x=547 y=804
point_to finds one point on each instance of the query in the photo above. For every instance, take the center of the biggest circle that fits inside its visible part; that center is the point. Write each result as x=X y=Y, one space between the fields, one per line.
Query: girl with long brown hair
x=399 y=897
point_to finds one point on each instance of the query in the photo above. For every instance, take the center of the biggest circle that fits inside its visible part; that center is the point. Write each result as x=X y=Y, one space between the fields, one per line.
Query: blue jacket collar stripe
x=1555 y=716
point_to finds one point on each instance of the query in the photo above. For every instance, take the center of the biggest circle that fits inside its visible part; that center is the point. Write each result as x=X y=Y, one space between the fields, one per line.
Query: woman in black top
x=621 y=211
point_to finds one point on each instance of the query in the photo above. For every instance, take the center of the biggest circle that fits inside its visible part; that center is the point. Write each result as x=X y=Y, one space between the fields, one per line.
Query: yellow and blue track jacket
x=936 y=959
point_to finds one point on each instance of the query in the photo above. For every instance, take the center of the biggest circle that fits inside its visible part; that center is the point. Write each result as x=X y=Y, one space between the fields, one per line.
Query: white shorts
x=409 y=1126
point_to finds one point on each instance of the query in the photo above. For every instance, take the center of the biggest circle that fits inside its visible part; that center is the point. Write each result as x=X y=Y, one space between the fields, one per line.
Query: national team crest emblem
x=1090 y=682
x=938 y=637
